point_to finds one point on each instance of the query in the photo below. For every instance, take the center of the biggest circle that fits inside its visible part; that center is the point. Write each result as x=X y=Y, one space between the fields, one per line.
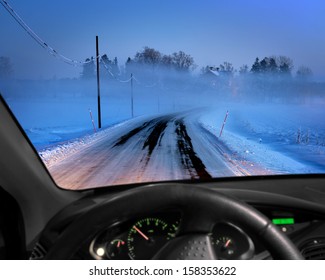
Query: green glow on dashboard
x=283 y=221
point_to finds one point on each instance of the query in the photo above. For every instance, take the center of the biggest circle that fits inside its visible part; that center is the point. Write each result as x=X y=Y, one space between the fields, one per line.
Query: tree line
x=150 y=59
x=147 y=60
x=268 y=66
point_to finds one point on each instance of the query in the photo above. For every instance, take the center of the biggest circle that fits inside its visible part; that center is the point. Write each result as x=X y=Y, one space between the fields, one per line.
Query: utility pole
x=98 y=86
x=132 y=95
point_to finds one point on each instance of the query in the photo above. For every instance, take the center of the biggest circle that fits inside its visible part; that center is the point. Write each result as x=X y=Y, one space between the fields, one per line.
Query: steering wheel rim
x=203 y=207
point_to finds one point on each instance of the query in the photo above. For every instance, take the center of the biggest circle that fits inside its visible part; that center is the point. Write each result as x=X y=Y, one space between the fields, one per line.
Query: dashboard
x=143 y=236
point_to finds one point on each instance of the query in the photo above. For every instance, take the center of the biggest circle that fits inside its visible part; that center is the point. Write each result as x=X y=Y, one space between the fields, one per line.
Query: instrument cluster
x=142 y=238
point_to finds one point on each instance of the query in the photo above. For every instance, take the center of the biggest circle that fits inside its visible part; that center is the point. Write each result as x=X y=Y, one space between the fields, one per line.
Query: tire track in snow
x=157 y=127
x=137 y=155
x=156 y=134
x=189 y=158
x=123 y=139
x=155 y=138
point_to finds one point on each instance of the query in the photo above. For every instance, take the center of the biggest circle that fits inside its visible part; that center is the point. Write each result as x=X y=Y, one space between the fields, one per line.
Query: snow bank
x=58 y=152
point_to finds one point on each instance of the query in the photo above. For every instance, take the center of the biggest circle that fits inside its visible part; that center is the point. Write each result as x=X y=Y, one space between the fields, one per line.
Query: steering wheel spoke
x=188 y=247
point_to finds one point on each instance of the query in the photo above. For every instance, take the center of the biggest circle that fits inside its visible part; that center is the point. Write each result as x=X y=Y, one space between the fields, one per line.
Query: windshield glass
x=121 y=92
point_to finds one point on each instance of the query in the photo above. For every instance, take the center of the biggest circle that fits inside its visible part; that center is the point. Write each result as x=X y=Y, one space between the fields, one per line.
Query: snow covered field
x=268 y=134
x=257 y=138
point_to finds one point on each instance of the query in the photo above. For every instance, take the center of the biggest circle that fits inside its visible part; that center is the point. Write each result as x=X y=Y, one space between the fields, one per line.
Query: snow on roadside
x=267 y=136
x=59 y=152
x=54 y=154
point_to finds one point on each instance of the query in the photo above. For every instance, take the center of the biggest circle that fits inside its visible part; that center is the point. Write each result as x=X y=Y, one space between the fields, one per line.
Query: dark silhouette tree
x=88 y=70
x=167 y=61
x=272 y=67
x=110 y=66
x=130 y=66
x=256 y=67
x=264 y=65
x=148 y=56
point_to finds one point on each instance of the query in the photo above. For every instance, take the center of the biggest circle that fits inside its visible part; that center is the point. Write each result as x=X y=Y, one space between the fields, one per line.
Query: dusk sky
x=212 y=31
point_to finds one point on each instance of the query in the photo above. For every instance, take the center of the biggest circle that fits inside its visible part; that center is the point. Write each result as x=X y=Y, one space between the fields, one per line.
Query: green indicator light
x=283 y=221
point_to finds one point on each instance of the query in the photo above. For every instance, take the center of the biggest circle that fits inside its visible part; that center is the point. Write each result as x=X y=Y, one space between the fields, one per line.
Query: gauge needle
x=227 y=243
x=141 y=233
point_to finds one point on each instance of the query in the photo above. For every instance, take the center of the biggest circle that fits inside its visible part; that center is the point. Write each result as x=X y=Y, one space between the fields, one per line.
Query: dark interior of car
x=12 y=231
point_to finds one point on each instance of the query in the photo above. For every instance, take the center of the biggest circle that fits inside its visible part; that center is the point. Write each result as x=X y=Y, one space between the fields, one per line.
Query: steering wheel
x=202 y=208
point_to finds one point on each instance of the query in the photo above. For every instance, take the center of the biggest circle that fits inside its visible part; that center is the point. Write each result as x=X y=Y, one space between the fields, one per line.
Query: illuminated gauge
x=225 y=247
x=147 y=236
x=230 y=242
x=101 y=248
x=116 y=249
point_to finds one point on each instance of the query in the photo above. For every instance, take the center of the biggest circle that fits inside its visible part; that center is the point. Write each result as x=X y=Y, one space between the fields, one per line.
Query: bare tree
x=183 y=61
x=243 y=69
x=227 y=68
x=167 y=60
x=148 y=56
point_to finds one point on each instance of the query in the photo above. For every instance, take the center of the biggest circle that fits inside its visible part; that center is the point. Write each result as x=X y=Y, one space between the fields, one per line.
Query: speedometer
x=147 y=236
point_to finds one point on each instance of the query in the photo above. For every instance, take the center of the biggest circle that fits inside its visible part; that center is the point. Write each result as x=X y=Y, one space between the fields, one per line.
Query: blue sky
x=212 y=31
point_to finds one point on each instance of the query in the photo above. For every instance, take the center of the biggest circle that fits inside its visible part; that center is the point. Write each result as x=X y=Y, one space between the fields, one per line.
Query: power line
x=109 y=68
x=37 y=39
x=133 y=78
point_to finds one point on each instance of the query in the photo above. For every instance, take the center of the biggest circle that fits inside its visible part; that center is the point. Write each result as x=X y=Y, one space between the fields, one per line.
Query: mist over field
x=57 y=110
x=65 y=104
x=196 y=123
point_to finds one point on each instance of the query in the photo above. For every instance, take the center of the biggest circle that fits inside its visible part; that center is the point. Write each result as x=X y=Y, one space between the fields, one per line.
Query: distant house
x=214 y=71
x=211 y=75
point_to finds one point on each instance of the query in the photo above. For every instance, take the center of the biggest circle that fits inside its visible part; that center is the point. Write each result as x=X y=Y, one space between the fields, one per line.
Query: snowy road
x=168 y=147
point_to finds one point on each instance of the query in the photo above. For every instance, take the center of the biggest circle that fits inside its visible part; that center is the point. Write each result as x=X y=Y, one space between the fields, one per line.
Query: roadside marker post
x=92 y=120
x=224 y=122
x=131 y=80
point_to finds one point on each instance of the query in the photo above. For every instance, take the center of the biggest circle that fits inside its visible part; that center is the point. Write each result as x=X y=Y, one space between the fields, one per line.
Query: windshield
x=123 y=92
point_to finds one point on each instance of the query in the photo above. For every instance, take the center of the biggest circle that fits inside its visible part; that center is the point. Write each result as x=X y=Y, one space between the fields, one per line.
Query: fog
x=58 y=109
x=169 y=89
